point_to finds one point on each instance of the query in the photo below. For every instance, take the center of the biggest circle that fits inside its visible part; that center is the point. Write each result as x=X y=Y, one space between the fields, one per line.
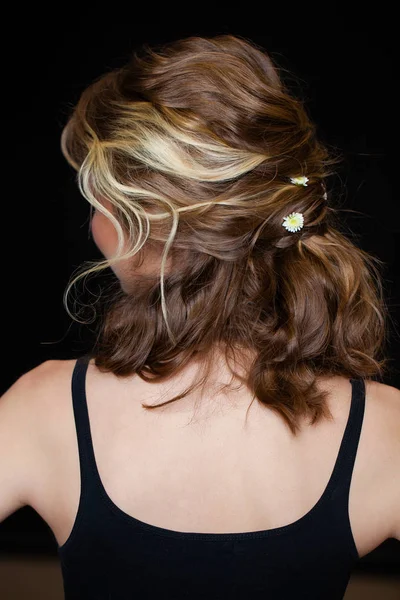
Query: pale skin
x=106 y=239
x=39 y=464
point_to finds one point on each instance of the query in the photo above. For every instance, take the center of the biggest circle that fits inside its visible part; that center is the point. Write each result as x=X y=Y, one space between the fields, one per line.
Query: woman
x=224 y=438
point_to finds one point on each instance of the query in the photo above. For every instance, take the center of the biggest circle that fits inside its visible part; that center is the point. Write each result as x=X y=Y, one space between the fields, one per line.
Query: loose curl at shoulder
x=194 y=145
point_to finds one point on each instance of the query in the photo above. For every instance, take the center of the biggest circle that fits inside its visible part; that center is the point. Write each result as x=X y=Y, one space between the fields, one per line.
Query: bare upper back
x=212 y=475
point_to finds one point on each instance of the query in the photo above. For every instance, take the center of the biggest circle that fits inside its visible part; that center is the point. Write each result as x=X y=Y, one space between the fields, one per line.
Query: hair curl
x=193 y=144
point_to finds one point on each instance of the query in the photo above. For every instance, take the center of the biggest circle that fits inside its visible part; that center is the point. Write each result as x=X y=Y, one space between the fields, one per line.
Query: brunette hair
x=194 y=144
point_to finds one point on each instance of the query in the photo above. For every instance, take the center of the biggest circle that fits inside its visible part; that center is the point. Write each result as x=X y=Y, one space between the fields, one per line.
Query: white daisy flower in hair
x=293 y=222
x=300 y=180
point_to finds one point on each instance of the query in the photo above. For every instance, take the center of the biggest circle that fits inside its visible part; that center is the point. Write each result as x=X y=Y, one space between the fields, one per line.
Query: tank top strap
x=340 y=483
x=348 y=448
x=88 y=469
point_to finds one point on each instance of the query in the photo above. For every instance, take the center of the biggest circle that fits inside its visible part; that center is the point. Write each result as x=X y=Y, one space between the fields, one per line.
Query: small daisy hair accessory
x=293 y=222
x=299 y=180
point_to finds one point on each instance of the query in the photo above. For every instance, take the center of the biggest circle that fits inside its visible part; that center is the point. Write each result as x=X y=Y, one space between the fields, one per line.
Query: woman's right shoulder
x=381 y=442
x=383 y=401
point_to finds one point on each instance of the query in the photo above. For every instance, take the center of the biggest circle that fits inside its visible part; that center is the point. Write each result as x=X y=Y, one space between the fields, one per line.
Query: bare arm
x=391 y=458
x=20 y=418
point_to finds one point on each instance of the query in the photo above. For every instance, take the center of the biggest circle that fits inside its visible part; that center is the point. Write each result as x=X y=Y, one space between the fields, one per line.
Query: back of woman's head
x=194 y=145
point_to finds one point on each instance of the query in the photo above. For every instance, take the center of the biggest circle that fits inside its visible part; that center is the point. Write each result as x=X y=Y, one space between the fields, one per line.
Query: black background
x=341 y=67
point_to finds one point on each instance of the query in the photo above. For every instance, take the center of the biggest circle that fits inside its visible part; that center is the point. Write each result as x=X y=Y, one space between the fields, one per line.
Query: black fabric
x=112 y=556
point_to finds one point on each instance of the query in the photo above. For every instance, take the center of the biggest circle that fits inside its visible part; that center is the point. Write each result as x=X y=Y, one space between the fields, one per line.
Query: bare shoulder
x=384 y=403
x=40 y=390
x=29 y=410
x=48 y=392
x=381 y=430
x=35 y=388
x=48 y=373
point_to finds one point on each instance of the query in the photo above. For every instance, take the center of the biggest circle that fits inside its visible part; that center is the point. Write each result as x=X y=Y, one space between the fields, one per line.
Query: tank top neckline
x=87 y=454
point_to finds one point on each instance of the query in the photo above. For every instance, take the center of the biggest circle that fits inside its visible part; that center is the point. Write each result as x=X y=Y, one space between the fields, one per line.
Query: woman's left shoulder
x=43 y=380
x=45 y=392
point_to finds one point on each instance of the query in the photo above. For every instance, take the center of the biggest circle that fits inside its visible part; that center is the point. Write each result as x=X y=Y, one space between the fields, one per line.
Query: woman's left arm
x=20 y=448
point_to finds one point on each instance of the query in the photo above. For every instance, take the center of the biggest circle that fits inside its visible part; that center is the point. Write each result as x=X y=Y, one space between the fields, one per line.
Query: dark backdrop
x=340 y=66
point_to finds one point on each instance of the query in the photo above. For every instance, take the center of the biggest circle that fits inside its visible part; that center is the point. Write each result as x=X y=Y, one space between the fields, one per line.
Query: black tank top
x=111 y=555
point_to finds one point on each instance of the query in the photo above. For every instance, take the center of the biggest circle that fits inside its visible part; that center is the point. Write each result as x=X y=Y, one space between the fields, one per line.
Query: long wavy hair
x=194 y=145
